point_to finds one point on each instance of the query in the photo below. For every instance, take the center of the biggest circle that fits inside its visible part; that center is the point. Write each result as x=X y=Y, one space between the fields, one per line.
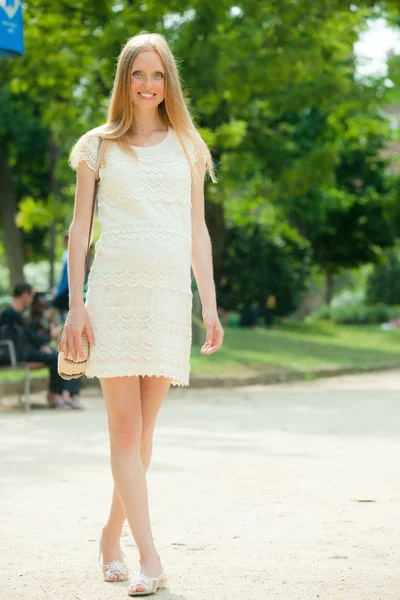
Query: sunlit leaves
x=33 y=213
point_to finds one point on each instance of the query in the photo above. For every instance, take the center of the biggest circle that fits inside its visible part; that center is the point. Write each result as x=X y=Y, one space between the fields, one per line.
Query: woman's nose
x=146 y=79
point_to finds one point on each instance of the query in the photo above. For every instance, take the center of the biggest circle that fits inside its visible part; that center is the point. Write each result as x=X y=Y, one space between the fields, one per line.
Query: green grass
x=19 y=375
x=296 y=346
x=300 y=346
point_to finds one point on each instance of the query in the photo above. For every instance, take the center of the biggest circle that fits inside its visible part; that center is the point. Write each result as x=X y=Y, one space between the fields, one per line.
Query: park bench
x=26 y=367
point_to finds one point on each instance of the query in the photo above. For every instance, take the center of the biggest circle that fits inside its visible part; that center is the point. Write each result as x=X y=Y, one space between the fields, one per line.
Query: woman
x=152 y=163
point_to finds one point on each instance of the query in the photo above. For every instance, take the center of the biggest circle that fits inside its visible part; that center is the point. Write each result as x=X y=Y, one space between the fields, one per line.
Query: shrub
x=358 y=314
x=383 y=284
x=256 y=266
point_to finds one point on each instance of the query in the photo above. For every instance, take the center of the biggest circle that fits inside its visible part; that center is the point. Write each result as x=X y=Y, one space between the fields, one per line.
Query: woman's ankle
x=150 y=559
x=110 y=535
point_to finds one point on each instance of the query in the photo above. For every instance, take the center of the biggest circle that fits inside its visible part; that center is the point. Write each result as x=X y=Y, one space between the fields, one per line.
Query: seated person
x=39 y=322
x=251 y=315
x=31 y=346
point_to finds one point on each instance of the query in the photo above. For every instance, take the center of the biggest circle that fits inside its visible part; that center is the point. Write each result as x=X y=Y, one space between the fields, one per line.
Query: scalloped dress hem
x=139 y=297
x=118 y=370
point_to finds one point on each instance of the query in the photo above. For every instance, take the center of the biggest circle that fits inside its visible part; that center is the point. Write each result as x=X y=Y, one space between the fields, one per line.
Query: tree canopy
x=296 y=136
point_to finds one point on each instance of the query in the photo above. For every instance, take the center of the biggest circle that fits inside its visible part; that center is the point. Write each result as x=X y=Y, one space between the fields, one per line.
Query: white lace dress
x=139 y=296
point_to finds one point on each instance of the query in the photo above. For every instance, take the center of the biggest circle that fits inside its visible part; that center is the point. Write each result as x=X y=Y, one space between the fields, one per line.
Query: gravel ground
x=286 y=491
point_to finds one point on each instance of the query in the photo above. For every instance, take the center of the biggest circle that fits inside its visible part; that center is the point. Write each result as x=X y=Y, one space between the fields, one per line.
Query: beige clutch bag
x=70 y=369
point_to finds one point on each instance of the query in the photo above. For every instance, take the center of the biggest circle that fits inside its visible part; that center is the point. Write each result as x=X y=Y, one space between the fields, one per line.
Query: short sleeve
x=86 y=148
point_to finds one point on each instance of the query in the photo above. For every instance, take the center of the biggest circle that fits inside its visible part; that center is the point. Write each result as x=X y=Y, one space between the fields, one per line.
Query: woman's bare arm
x=78 y=319
x=79 y=233
x=202 y=265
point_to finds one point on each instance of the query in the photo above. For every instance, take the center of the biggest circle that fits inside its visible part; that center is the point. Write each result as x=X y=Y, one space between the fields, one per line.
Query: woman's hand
x=214 y=332
x=71 y=339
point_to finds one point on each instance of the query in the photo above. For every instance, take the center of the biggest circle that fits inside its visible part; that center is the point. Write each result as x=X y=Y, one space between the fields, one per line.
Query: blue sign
x=11 y=28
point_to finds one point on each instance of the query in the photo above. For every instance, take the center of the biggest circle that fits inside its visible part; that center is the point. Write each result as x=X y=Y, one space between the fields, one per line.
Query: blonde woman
x=151 y=163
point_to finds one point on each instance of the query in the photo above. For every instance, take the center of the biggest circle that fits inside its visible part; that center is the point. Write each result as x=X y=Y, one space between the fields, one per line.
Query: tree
x=347 y=219
x=271 y=85
x=23 y=172
x=257 y=265
x=383 y=285
x=52 y=66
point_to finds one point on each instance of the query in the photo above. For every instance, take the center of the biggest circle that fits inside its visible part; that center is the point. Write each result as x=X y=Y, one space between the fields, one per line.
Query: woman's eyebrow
x=155 y=70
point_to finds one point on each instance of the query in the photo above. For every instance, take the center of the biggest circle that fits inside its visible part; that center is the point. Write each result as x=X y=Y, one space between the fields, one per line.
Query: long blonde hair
x=172 y=110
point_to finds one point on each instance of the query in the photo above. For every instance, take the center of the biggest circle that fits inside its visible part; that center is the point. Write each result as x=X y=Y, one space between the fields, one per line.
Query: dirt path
x=288 y=492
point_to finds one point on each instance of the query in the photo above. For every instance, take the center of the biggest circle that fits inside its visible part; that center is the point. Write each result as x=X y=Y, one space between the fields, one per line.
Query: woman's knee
x=147 y=434
x=125 y=434
x=122 y=397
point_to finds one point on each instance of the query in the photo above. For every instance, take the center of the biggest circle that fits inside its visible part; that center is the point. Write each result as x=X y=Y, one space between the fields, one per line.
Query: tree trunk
x=12 y=234
x=52 y=252
x=216 y=226
x=198 y=332
x=329 y=285
x=54 y=152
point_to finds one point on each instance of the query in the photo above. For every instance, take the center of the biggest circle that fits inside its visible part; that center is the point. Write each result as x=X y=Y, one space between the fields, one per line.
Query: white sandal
x=150 y=584
x=115 y=567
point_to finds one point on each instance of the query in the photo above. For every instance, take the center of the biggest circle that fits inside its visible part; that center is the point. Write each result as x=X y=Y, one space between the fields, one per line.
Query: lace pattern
x=85 y=149
x=139 y=295
x=152 y=273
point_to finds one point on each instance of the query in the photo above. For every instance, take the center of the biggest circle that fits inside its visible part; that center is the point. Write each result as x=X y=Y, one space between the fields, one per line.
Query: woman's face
x=147 y=80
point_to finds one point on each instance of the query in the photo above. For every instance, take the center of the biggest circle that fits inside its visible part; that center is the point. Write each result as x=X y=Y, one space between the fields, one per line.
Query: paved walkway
x=289 y=492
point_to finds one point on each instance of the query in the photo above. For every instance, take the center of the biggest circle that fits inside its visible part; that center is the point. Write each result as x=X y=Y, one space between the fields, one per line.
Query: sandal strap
x=144 y=581
x=115 y=567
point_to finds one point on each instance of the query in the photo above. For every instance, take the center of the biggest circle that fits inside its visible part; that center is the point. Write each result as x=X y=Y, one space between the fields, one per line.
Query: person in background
x=38 y=319
x=266 y=312
x=40 y=323
x=31 y=346
x=61 y=298
x=250 y=317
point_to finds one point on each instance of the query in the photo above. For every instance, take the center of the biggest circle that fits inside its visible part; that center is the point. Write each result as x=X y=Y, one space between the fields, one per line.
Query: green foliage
x=33 y=214
x=352 y=235
x=4 y=281
x=21 y=130
x=383 y=284
x=256 y=265
x=294 y=135
x=357 y=314
x=347 y=219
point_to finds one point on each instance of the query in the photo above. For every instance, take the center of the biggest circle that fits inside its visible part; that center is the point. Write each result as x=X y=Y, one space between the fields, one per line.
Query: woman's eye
x=139 y=74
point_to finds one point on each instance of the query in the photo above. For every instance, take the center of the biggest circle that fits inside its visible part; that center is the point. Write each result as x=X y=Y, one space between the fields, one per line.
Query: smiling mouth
x=146 y=96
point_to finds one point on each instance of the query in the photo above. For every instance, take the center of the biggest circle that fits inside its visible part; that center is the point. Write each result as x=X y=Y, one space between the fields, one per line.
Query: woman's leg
x=152 y=393
x=132 y=408
x=153 y=390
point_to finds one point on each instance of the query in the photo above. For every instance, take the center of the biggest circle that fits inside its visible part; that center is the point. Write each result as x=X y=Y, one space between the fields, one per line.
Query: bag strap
x=96 y=185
